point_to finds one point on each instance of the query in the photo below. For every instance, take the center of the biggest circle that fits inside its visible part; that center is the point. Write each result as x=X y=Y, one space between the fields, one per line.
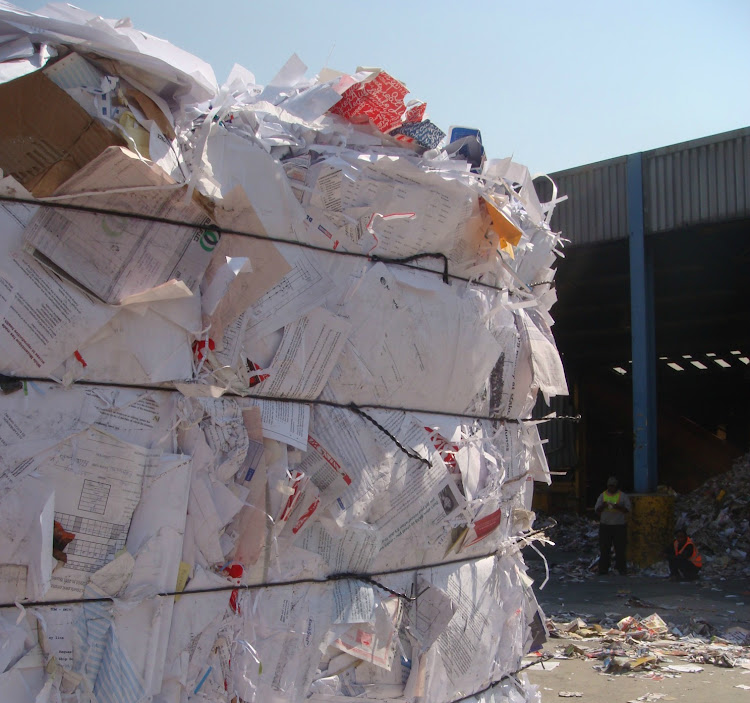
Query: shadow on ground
x=721 y=603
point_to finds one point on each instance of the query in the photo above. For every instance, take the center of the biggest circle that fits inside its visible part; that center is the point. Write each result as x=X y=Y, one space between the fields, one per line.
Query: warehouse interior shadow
x=702 y=340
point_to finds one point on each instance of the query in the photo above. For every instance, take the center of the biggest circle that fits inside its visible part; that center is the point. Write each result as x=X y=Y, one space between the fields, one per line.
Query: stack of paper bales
x=249 y=449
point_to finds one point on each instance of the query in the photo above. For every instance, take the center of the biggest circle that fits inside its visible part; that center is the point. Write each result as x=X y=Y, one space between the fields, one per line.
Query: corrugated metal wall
x=697 y=182
x=596 y=209
x=560 y=447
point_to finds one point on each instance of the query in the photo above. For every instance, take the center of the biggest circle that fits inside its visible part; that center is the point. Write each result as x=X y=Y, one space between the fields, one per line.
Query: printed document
x=117 y=257
x=44 y=318
x=97 y=480
x=304 y=361
x=391 y=356
x=298 y=292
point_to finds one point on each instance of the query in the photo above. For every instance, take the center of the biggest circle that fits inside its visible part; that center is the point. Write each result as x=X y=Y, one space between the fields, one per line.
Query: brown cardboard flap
x=150 y=109
x=45 y=135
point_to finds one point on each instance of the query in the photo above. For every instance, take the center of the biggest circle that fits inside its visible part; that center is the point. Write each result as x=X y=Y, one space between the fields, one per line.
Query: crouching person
x=684 y=560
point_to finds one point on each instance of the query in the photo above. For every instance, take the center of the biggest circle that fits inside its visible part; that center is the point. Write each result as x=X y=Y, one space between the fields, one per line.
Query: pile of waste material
x=571 y=531
x=251 y=451
x=576 y=570
x=575 y=535
x=635 y=644
x=716 y=515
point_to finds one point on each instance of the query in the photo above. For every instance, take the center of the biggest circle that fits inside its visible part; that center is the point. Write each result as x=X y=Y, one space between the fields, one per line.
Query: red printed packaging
x=379 y=100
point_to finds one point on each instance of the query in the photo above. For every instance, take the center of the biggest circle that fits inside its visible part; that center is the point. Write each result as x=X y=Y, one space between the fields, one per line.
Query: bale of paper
x=251 y=451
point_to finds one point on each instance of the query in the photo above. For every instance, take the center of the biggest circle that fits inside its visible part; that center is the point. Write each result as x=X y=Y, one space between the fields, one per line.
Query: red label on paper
x=255 y=378
x=306 y=516
x=291 y=501
x=328 y=458
x=483 y=527
x=200 y=344
x=234 y=571
x=364 y=638
x=446 y=449
x=487 y=524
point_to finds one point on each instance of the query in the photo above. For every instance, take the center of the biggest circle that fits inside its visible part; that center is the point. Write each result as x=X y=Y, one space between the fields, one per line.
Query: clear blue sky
x=554 y=84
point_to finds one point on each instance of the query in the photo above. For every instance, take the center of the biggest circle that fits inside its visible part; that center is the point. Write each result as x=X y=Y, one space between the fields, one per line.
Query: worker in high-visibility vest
x=685 y=562
x=612 y=507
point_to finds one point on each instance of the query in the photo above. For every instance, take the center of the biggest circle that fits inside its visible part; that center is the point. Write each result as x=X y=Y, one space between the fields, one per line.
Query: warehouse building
x=653 y=321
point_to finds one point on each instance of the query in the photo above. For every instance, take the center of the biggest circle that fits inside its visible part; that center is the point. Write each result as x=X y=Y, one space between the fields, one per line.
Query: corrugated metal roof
x=697 y=182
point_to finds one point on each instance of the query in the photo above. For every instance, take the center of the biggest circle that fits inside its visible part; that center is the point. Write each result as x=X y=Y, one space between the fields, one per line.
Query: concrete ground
x=721 y=604
x=712 y=685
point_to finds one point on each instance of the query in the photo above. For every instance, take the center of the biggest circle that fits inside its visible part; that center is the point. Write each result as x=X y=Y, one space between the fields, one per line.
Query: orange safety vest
x=695 y=559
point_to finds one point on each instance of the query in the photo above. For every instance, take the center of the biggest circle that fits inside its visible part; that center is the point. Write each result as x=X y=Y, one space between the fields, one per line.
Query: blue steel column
x=642 y=336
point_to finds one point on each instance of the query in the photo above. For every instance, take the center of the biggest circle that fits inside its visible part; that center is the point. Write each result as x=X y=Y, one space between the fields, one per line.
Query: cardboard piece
x=45 y=135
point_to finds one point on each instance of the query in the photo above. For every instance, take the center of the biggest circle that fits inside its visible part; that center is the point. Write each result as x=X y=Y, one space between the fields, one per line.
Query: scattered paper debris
x=684 y=668
x=644 y=646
